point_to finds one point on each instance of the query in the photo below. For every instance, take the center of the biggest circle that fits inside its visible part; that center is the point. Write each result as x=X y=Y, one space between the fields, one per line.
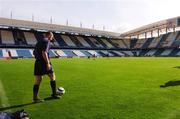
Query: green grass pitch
x=104 y=88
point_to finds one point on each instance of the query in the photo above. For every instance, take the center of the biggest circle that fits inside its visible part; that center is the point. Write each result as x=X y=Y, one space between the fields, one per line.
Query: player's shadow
x=24 y=105
x=16 y=106
x=177 y=67
x=171 y=83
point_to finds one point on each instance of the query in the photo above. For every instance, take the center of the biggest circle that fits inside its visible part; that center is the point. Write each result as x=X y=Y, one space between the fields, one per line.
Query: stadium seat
x=89 y=42
x=69 y=53
x=109 y=45
x=83 y=42
x=78 y=53
x=1 y=53
x=92 y=52
x=147 y=43
x=75 y=41
x=22 y=53
x=60 y=53
x=86 y=53
x=7 y=37
x=68 y=41
x=60 y=41
x=95 y=42
x=30 y=38
x=52 y=53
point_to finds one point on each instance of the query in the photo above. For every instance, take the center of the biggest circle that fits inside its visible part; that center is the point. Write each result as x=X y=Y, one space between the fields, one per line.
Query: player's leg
x=37 y=83
x=53 y=85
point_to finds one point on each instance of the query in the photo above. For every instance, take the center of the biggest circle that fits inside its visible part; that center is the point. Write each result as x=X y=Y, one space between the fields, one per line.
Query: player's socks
x=53 y=87
x=36 y=99
x=35 y=91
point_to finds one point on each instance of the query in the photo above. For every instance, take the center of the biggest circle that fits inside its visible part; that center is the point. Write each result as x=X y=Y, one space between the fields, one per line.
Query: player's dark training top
x=40 y=64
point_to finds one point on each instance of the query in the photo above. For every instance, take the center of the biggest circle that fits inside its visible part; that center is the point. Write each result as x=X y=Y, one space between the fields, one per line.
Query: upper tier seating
x=7 y=37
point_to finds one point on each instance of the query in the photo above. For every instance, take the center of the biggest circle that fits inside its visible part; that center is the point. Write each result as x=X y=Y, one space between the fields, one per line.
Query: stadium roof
x=5 y=22
x=168 y=23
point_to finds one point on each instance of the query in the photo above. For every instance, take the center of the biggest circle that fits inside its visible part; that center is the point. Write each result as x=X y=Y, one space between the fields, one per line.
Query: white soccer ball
x=60 y=91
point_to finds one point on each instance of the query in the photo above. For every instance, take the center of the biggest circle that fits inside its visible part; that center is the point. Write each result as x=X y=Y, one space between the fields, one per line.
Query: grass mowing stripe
x=3 y=97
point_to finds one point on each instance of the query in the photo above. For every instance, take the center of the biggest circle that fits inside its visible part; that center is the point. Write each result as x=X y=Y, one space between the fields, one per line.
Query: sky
x=115 y=15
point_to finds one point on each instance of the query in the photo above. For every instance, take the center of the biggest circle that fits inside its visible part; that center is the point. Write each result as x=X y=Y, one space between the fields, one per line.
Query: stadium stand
x=60 y=41
x=127 y=43
x=78 y=53
x=68 y=40
x=118 y=53
x=30 y=38
x=19 y=43
x=1 y=53
x=166 y=52
x=93 y=53
x=109 y=45
x=100 y=42
x=83 y=42
x=5 y=53
x=119 y=43
x=133 y=43
x=13 y=53
x=147 y=43
x=76 y=41
x=89 y=42
x=140 y=43
x=19 y=37
x=170 y=39
x=155 y=42
x=60 y=53
x=7 y=37
x=52 y=53
x=86 y=53
x=24 y=53
x=69 y=53
x=95 y=42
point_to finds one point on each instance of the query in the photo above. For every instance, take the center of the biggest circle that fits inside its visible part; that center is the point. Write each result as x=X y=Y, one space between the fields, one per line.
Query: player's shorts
x=40 y=68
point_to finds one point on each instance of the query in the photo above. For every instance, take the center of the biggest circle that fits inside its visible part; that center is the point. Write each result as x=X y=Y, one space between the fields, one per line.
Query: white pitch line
x=3 y=97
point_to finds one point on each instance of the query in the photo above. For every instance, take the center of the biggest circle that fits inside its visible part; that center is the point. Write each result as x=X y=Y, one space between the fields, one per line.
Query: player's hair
x=48 y=33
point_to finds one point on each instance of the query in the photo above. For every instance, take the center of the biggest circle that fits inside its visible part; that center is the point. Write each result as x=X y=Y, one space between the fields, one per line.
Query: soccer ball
x=60 y=91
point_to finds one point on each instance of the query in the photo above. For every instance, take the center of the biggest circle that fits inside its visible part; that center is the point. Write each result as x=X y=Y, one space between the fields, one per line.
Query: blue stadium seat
x=1 y=53
x=75 y=41
x=101 y=53
x=60 y=41
x=143 y=52
x=109 y=40
x=23 y=53
x=19 y=37
x=114 y=53
x=163 y=38
x=174 y=52
x=147 y=43
x=133 y=43
x=159 y=52
x=69 y=53
x=0 y=38
x=176 y=42
x=86 y=53
x=89 y=42
x=101 y=42
x=51 y=54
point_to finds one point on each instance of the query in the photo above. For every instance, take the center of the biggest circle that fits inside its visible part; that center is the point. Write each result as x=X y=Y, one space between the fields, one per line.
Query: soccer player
x=43 y=66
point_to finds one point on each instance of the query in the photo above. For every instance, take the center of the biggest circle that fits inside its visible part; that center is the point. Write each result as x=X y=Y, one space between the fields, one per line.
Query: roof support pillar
x=174 y=28
x=145 y=35
x=151 y=33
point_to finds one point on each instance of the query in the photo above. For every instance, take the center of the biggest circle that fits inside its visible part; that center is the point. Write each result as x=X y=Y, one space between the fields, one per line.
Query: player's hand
x=48 y=67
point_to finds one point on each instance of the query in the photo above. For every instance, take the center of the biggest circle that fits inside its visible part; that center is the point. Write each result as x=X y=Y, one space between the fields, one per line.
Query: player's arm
x=46 y=59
